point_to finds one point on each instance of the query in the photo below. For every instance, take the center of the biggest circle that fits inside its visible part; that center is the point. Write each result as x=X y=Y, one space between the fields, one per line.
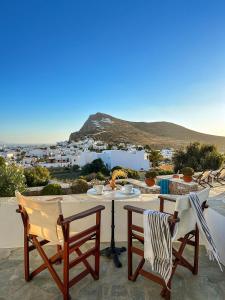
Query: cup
x=99 y=189
x=128 y=188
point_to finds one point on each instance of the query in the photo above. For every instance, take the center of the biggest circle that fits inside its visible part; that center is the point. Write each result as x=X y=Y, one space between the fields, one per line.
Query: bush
x=187 y=171
x=199 y=157
x=37 y=176
x=11 y=179
x=96 y=166
x=151 y=174
x=116 y=168
x=90 y=177
x=52 y=189
x=165 y=172
x=79 y=187
x=75 y=168
x=100 y=176
x=132 y=173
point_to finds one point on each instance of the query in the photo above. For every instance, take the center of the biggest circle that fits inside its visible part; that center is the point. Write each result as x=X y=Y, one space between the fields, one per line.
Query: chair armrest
x=82 y=215
x=141 y=211
x=168 y=198
x=54 y=199
x=135 y=209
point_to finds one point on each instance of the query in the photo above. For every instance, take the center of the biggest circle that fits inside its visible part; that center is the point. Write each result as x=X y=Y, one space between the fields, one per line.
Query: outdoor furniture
x=220 y=176
x=187 y=234
x=215 y=216
x=43 y=223
x=204 y=178
x=112 y=251
x=178 y=186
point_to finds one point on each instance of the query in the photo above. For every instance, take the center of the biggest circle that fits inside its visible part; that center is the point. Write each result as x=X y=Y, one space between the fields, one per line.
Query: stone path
x=113 y=283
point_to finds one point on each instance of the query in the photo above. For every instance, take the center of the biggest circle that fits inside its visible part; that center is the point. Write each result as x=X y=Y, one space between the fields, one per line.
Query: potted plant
x=187 y=174
x=150 y=177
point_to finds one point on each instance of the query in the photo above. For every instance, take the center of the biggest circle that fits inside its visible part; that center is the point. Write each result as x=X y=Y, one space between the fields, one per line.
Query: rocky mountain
x=156 y=134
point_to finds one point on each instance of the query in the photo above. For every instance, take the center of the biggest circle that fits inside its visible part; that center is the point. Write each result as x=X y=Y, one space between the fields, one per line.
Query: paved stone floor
x=113 y=283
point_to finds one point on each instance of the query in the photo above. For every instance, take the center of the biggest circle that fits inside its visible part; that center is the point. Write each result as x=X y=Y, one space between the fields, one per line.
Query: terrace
x=113 y=282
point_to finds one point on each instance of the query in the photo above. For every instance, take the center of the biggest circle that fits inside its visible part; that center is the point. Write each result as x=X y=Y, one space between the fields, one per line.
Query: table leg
x=113 y=251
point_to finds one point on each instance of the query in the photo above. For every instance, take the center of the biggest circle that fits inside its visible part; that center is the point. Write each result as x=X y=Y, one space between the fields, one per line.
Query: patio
x=113 y=283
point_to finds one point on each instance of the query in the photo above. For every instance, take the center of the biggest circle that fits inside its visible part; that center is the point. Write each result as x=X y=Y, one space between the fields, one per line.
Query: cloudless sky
x=60 y=61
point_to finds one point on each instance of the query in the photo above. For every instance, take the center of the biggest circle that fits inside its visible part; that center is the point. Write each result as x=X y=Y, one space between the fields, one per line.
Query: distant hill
x=156 y=134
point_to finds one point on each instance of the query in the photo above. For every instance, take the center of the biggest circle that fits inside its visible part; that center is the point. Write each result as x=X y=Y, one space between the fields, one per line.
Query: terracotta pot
x=150 y=181
x=187 y=178
x=176 y=176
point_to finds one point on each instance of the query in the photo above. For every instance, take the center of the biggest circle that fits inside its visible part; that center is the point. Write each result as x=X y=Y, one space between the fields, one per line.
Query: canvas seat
x=43 y=223
x=183 y=229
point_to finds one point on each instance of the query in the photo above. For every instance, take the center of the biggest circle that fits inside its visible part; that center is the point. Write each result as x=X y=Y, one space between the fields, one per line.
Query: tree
x=155 y=157
x=11 y=179
x=199 y=157
x=37 y=176
x=96 y=166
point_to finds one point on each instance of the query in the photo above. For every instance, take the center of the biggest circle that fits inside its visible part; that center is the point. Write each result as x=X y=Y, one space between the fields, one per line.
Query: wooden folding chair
x=187 y=235
x=43 y=222
x=204 y=178
x=220 y=176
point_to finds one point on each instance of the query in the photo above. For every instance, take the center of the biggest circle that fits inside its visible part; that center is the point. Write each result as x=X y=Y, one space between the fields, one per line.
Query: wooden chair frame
x=203 y=181
x=71 y=244
x=134 y=233
x=218 y=178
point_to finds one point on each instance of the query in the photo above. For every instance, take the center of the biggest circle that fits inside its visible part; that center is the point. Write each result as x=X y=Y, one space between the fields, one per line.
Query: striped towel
x=158 y=243
x=204 y=229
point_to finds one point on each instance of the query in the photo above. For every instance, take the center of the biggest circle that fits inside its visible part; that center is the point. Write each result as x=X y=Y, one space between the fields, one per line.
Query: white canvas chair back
x=42 y=217
x=187 y=220
x=205 y=175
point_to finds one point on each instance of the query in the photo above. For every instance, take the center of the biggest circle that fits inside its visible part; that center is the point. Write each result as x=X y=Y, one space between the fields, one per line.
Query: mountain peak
x=109 y=129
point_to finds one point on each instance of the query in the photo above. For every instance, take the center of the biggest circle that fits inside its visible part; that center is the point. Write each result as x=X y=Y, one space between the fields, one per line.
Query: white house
x=136 y=160
x=167 y=153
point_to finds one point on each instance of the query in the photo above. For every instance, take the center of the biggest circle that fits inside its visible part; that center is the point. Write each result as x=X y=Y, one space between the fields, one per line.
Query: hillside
x=156 y=134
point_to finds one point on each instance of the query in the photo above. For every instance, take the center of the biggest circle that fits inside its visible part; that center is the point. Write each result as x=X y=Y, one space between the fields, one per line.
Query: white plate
x=126 y=193
x=94 y=192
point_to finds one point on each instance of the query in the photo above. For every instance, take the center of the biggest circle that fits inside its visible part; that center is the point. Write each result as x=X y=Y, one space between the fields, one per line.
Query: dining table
x=113 y=252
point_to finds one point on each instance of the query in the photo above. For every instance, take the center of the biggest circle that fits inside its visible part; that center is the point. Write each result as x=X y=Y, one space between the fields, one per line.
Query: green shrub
x=75 y=168
x=11 y=179
x=199 y=157
x=96 y=166
x=100 y=176
x=52 y=189
x=187 y=171
x=151 y=174
x=116 y=168
x=165 y=172
x=132 y=173
x=90 y=177
x=79 y=187
x=37 y=176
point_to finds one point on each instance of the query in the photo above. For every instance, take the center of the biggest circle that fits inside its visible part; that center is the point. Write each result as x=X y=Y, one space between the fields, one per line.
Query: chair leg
x=59 y=249
x=66 y=271
x=196 y=252
x=97 y=244
x=129 y=246
x=26 y=258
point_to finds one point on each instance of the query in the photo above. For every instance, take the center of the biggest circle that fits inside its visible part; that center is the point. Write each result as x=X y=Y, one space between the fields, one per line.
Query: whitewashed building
x=136 y=160
x=167 y=153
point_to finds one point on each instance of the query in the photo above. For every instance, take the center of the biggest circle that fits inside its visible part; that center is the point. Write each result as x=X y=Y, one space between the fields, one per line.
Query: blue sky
x=138 y=60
